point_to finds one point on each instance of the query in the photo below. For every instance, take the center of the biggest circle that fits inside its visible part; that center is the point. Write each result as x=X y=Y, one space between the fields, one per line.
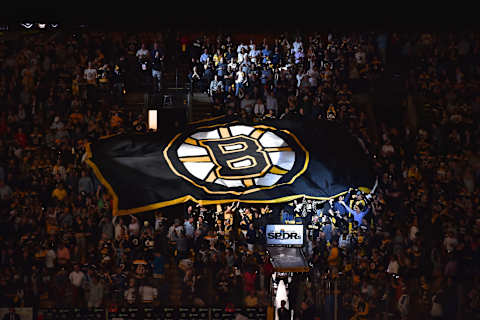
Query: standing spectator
x=77 y=277
x=450 y=242
x=142 y=53
x=271 y=102
x=50 y=257
x=147 y=293
x=85 y=184
x=240 y=80
x=90 y=75
x=63 y=254
x=106 y=225
x=283 y=313
x=131 y=293
x=157 y=57
x=95 y=293
x=5 y=191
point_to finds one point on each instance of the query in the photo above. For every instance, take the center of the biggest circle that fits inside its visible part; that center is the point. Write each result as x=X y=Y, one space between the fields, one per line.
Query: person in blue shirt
x=266 y=75
x=327 y=228
x=221 y=69
x=245 y=68
x=357 y=211
x=266 y=53
x=189 y=229
x=204 y=57
x=228 y=55
x=158 y=264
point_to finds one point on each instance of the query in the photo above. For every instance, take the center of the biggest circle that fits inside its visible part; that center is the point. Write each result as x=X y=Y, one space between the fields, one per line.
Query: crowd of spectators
x=57 y=92
x=282 y=77
x=416 y=247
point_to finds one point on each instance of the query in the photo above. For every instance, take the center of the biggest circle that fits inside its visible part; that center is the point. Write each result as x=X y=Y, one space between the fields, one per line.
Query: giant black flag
x=225 y=160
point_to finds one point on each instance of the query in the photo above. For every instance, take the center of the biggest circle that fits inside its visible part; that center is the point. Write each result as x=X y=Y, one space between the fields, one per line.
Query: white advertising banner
x=285 y=234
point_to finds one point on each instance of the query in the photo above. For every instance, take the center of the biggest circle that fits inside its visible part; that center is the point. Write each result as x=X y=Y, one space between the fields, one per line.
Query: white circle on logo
x=199 y=163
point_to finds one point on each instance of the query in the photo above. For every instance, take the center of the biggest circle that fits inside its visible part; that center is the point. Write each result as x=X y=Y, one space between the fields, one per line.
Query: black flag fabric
x=225 y=160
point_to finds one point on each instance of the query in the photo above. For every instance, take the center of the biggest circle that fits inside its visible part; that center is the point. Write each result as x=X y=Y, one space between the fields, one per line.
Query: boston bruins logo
x=237 y=159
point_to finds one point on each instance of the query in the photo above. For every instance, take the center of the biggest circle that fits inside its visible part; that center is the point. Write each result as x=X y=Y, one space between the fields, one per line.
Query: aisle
x=174 y=283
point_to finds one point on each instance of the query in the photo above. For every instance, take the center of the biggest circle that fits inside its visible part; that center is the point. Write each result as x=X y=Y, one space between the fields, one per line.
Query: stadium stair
x=134 y=101
x=174 y=281
x=201 y=106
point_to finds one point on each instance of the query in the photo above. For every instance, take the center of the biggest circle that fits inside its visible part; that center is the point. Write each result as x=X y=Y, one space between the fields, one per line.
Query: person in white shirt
x=247 y=104
x=253 y=54
x=142 y=53
x=147 y=293
x=76 y=277
x=393 y=266
x=233 y=64
x=57 y=124
x=120 y=227
x=50 y=257
x=242 y=56
x=299 y=55
x=251 y=46
x=239 y=81
x=130 y=294
x=271 y=103
x=134 y=227
x=360 y=56
x=299 y=77
x=95 y=293
x=344 y=241
x=450 y=242
x=241 y=46
x=90 y=74
x=216 y=86
x=259 y=108
x=413 y=232
x=297 y=44
x=313 y=76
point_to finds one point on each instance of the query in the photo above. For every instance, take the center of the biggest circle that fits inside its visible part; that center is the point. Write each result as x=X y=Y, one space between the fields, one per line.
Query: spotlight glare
x=42 y=25
x=54 y=25
x=27 y=25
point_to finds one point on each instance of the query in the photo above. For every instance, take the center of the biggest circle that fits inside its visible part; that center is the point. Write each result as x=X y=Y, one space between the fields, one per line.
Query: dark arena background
x=207 y=164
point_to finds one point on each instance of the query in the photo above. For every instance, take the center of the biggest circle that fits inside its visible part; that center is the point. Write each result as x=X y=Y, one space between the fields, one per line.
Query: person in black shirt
x=307 y=312
x=157 y=58
x=283 y=312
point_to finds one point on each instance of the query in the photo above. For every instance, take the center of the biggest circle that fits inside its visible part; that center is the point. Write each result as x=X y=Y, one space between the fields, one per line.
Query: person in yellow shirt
x=76 y=116
x=333 y=257
x=251 y=300
x=361 y=310
x=217 y=56
x=116 y=120
x=59 y=192
x=76 y=85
